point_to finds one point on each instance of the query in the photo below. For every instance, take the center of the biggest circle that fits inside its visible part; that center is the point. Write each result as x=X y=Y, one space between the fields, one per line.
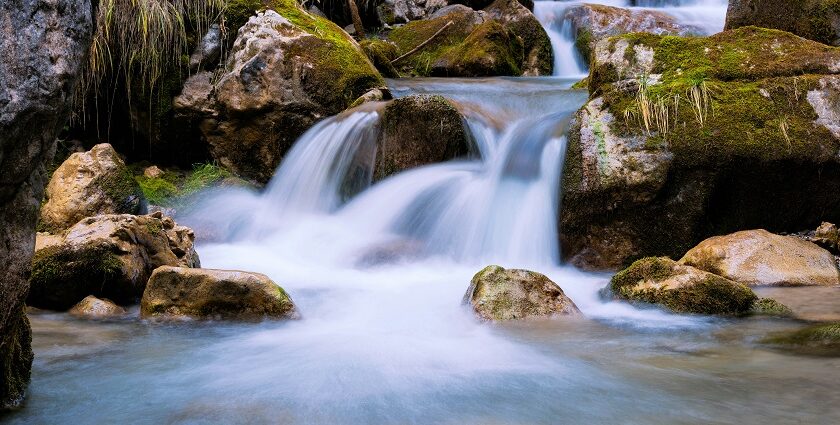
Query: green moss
x=237 y=13
x=771 y=307
x=15 y=359
x=710 y=294
x=123 y=190
x=157 y=190
x=62 y=276
x=821 y=339
x=381 y=53
x=490 y=49
x=583 y=43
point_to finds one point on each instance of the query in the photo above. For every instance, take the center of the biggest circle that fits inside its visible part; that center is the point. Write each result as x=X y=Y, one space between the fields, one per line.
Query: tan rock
x=95 y=308
x=498 y=294
x=758 y=257
x=88 y=184
x=152 y=172
x=176 y=292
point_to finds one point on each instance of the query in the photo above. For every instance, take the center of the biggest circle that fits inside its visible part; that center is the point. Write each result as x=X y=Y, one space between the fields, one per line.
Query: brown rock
x=95 y=308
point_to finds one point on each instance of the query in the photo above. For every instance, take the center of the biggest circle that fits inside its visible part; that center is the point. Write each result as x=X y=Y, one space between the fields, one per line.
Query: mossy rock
x=817 y=20
x=682 y=289
x=64 y=275
x=823 y=339
x=381 y=53
x=15 y=359
x=419 y=130
x=770 y=307
x=490 y=49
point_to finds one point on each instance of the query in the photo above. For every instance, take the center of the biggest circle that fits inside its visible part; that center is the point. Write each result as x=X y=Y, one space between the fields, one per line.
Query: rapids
x=378 y=272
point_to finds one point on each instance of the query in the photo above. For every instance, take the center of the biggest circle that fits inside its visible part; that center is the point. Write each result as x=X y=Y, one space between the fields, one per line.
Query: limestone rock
x=498 y=294
x=110 y=256
x=88 y=184
x=175 y=292
x=207 y=52
x=680 y=288
x=286 y=70
x=538 y=56
x=94 y=308
x=818 y=20
x=758 y=257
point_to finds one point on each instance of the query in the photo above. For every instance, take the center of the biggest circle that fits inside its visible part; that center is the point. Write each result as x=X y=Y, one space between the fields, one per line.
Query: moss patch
x=771 y=307
x=63 y=276
x=816 y=340
x=175 y=188
x=15 y=359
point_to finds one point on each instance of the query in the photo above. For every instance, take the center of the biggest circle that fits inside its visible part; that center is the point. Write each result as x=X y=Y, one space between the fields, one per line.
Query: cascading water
x=706 y=15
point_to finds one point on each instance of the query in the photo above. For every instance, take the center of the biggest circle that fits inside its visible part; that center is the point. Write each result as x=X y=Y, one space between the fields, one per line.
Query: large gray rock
x=87 y=184
x=110 y=256
x=43 y=44
x=818 y=20
x=498 y=294
x=535 y=42
x=175 y=292
x=286 y=70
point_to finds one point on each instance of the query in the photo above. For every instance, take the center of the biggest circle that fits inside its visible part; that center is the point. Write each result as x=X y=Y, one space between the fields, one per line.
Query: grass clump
x=175 y=188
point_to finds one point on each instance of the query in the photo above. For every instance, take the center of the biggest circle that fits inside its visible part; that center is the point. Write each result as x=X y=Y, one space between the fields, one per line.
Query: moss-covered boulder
x=15 y=359
x=760 y=258
x=419 y=130
x=177 y=292
x=680 y=288
x=771 y=307
x=499 y=294
x=823 y=340
x=684 y=138
x=88 y=184
x=286 y=70
x=592 y=23
x=108 y=256
x=504 y=39
x=817 y=20
x=94 y=308
x=403 y=11
x=381 y=53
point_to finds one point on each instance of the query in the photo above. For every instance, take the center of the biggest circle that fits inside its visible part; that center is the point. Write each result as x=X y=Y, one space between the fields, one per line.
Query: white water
x=707 y=15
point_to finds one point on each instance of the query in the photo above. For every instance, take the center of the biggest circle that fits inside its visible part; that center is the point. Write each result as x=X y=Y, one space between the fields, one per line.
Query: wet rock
x=818 y=20
x=43 y=45
x=758 y=257
x=504 y=39
x=827 y=236
x=209 y=49
x=286 y=70
x=638 y=184
x=381 y=53
x=771 y=307
x=94 y=308
x=497 y=294
x=823 y=339
x=403 y=11
x=108 y=256
x=592 y=23
x=175 y=292
x=88 y=184
x=680 y=288
x=419 y=130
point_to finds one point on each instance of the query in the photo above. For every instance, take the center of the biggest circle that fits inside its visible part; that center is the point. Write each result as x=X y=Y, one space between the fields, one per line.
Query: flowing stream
x=378 y=272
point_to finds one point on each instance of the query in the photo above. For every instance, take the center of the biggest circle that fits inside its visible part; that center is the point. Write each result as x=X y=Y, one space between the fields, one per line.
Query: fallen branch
x=423 y=44
x=357 y=20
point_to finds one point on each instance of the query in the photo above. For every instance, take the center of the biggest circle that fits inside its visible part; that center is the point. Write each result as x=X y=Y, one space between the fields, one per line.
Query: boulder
x=43 y=45
x=497 y=294
x=771 y=307
x=94 y=308
x=419 y=130
x=592 y=23
x=381 y=53
x=818 y=20
x=680 y=288
x=209 y=49
x=176 y=292
x=108 y=256
x=758 y=257
x=286 y=70
x=827 y=236
x=538 y=55
x=87 y=184
x=504 y=39
x=403 y=11
x=684 y=138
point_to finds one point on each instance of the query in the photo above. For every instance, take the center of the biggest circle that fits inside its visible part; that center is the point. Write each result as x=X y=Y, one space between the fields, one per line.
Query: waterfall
x=707 y=15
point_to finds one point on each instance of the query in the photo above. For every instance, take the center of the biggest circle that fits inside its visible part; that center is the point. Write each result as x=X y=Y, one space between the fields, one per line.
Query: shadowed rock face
x=818 y=20
x=42 y=48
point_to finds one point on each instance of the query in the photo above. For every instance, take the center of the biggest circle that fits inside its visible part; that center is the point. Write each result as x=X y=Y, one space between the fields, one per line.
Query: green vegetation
x=823 y=339
x=771 y=307
x=175 y=188
x=62 y=275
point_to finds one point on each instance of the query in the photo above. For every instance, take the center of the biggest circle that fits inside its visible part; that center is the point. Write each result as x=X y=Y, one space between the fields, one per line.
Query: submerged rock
x=771 y=307
x=286 y=70
x=176 y=292
x=680 y=288
x=109 y=256
x=94 y=308
x=818 y=20
x=87 y=184
x=758 y=257
x=592 y=23
x=498 y=294
x=686 y=138
x=419 y=130
x=821 y=339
